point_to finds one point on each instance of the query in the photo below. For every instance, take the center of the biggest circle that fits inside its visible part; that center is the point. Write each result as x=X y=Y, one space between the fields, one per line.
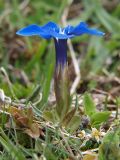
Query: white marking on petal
x=61 y=31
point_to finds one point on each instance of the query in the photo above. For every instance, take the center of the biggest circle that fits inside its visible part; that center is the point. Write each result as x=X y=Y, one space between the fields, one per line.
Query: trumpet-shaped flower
x=60 y=36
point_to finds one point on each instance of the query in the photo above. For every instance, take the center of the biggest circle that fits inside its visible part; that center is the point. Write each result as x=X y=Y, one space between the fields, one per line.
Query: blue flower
x=60 y=35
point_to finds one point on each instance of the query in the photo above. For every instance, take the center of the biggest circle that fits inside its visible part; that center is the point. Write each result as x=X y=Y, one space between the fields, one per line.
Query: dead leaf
x=34 y=131
x=90 y=157
x=22 y=121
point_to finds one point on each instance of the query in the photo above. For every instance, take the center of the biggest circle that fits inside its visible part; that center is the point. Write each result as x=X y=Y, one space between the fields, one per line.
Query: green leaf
x=62 y=92
x=46 y=85
x=50 y=116
x=99 y=117
x=34 y=94
x=74 y=124
x=110 y=149
x=89 y=105
x=10 y=147
x=36 y=58
x=111 y=23
x=49 y=155
x=68 y=117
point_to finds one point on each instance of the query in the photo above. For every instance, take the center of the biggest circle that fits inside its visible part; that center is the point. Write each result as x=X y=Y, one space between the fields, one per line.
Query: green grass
x=28 y=71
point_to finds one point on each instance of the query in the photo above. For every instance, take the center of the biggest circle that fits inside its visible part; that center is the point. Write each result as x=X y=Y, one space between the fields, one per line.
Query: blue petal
x=68 y=29
x=50 y=26
x=54 y=30
x=82 y=28
x=60 y=36
x=51 y=29
x=33 y=30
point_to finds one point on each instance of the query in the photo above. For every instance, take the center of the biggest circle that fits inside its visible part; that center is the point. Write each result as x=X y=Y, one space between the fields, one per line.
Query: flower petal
x=50 y=26
x=60 y=36
x=68 y=29
x=54 y=30
x=82 y=28
x=33 y=30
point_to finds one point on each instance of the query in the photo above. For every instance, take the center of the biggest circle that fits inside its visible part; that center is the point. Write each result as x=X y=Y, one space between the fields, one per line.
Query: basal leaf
x=74 y=123
x=68 y=117
x=99 y=117
x=89 y=105
x=49 y=116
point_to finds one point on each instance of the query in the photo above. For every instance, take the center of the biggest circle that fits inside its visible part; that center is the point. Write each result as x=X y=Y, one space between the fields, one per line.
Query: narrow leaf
x=49 y=116
x=49 y=155
x=74 y=124
x=10 y=147
x=68 y=117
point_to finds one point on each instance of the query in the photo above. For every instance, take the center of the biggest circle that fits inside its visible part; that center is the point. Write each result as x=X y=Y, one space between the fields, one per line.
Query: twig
x=76 y=67
x=5 y=14
x=89 y=151
x=3 y=71
x=75 y=62
x=24 y=4
x=117 y=108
